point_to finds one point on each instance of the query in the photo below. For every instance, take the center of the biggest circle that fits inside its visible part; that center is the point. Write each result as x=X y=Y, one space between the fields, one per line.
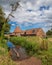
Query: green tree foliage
x=2 y=18
x=4 y=22
x=49 y=32
x=4 y=26
x=31 y=47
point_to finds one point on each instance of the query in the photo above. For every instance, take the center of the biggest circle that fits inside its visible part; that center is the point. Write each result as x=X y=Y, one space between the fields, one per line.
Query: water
x=10 y=44
x=21 y=51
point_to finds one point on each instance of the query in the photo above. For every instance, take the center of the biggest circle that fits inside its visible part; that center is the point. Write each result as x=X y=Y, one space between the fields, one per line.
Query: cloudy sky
x=30 y=14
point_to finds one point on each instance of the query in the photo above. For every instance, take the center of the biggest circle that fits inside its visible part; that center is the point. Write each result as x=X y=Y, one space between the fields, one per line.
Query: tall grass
x=30 y=44
x=36 y=46
x=4 y=55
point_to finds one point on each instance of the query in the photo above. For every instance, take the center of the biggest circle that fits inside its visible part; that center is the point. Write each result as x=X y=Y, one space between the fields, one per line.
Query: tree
x=3 y=26
x=49 y=32
x=1 y=18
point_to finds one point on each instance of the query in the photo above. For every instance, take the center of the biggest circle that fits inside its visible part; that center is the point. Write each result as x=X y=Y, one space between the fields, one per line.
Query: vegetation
x=26 y=43
x=4 y=26
x=36 y=46
x=49 y=33
x=4 y=55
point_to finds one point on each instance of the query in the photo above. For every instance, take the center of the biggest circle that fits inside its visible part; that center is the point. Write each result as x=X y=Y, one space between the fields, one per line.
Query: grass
x=27 y=42
x=44 y=54
x=4 y=55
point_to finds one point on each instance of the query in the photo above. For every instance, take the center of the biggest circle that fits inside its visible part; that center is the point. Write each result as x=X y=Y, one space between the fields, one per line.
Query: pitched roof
x=29 y=31
x=17 y=30
x=32 y=31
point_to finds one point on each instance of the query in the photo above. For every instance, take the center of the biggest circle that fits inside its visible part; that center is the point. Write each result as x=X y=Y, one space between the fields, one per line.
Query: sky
x=30 y=14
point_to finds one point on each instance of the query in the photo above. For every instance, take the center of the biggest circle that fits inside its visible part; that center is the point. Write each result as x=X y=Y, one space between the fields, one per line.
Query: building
x=17 y=32
x=30 y=32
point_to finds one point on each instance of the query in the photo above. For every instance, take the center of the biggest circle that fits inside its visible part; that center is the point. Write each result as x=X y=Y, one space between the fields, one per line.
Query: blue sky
x=31 y=14
x=25 y=26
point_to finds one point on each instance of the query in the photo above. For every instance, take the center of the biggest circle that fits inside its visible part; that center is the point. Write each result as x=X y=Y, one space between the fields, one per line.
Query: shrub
x=44 y=45
x=30 y=46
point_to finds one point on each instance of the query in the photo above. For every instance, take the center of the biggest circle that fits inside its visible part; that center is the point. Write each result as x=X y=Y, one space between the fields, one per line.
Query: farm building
x=30 y=32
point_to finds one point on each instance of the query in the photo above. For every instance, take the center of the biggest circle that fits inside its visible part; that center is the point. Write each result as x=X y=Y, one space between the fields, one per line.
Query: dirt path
x=30 y=61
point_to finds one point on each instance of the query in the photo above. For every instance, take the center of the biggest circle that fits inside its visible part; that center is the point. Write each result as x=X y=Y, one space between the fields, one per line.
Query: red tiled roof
x=32 y=31
x=17 y=30
x=35 y=31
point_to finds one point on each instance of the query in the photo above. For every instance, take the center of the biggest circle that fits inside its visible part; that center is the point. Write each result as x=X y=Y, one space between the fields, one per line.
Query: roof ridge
x=33 y=28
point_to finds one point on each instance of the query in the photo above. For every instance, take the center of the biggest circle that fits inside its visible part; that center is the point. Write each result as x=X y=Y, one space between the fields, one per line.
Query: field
x=35 y=46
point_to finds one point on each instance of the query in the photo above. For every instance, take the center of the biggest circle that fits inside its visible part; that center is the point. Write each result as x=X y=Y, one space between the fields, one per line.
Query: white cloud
x=23 y=14
x=13 y=24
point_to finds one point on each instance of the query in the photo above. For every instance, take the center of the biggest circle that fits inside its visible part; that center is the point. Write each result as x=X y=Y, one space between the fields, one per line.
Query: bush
x=44 y=45
x=30 y=46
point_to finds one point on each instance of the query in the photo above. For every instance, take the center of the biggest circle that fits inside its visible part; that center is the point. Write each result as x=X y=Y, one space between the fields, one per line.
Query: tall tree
x=13 y=8
x=4 y=26
x=2 y=18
